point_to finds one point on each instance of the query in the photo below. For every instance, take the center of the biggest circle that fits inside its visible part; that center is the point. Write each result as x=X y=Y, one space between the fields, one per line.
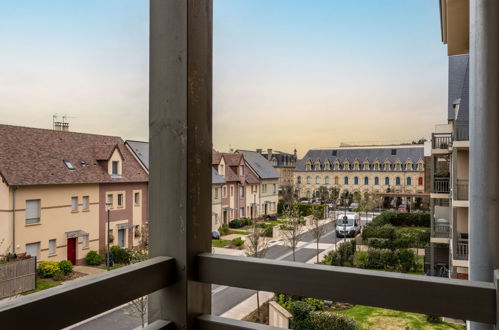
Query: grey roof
x=259 y=164
x=216 y=178
x=282 y=158
x=371 y=154
x=459 y=87
x=141 y=150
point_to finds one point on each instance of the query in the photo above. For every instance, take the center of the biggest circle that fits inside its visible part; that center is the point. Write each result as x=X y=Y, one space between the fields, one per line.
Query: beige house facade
x=53 y=192
x=372 y=169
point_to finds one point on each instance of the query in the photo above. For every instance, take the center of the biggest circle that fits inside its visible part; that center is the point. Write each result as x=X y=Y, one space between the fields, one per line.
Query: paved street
x=224 y=298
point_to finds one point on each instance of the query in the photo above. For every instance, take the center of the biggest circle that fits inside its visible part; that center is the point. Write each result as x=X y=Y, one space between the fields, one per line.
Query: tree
x=138 y=307
x=357 y=197
x=334 y=194
x=323 y=193
x=291 y=230
x=256 y=247
x=289 y=194
x=316 y=229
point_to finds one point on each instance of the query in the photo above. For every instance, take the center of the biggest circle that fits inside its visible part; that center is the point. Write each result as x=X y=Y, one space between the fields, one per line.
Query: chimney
x=259 y=151
x=61 y=126
x=269 y=154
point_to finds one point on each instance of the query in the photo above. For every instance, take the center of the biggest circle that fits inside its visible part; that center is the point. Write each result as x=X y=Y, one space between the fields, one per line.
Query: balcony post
x=180 y=132
x=484 y=141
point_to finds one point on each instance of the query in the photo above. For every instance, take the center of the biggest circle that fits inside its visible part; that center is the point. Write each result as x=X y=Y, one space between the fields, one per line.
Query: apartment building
x=394 y=170
x=450 y=177
x=54 y=189
x=266 y=193
x=283 y=163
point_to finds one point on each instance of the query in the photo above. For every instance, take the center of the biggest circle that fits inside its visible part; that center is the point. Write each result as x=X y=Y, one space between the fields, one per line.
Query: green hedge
x=403 y=219
x=372 y=229
x=119 y=255
x=403 y=260
x=305 y=209
x=331 y=321
x=238 y=223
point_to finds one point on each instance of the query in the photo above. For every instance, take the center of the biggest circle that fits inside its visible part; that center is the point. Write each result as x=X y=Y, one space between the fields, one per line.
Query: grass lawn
x=42 y=284
x=115 y=266
x=379 y=318
x=220 y=243
x=238 y=232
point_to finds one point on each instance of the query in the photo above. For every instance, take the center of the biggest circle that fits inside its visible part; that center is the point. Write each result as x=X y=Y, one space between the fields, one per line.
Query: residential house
x=283 y=163
x=390 y=171
x=54 y=189
x=266 y=194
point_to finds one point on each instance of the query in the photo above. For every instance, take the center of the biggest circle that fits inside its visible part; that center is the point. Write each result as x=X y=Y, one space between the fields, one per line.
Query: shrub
x=93 y=258
x=381 y=258
x=333 y=258
x=223 y=230
x=373 y=230
x=331 y=321
x=360 y=259
x=406 y=219
x=301 y=312
x=59 y=276
x=268 y=229
x=237 y=241
x=119 y=255
x=343 y=256
x=316 y=303
x=66 y=266
x=245 y=222
x=47 y=268
x=236 y=223
x=406 y=259
x=379 y=243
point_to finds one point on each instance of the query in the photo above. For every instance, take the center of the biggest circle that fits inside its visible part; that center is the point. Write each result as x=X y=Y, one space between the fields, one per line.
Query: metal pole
x=484 y=142
x=108 y=263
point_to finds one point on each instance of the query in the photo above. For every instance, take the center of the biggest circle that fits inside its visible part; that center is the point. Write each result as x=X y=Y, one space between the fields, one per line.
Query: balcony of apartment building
x=441 y=139
x=460 y=177
x=460 y=240
x=440 y=176
x=461 y=138
x=179 y=275
x=440 y=220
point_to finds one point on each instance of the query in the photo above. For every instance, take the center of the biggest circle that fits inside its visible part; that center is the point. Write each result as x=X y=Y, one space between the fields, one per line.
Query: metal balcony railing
x=462 y=189
x=461 y=252
x=462 y=132
x=441 y=230
x=441 y=140
x=441 y=185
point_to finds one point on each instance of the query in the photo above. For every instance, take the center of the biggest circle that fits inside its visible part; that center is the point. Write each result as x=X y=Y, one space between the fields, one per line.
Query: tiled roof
x=370 y=154
x=232 y=159
x=251 y=178
x=259 y=164
x=459 y=87
x=32 y=156
x=141 y=150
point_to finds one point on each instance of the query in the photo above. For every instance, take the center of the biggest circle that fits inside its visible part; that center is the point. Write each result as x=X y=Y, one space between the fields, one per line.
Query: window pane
x=32 y=211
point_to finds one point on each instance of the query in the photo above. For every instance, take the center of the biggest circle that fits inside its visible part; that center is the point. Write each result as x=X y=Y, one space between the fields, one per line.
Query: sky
x=287 y=74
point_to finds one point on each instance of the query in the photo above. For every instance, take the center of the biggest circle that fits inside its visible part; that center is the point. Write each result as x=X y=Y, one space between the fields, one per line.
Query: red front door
x=72 y=250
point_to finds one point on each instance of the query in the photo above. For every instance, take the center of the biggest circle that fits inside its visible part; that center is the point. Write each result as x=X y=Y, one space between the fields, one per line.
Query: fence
x=441 y=185
x=17 y=277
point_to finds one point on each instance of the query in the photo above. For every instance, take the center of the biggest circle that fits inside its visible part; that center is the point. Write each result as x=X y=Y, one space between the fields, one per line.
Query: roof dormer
x=115 y=164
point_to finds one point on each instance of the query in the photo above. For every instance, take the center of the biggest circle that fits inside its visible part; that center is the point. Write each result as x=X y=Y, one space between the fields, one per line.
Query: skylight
x=69 y=165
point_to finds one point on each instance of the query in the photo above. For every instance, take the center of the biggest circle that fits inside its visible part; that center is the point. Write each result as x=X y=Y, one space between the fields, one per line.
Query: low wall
x=278 y=316
x=17 y=277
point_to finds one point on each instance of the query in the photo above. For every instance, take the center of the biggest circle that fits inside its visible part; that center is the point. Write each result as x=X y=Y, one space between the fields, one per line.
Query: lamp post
x=345 y=220
x=108 y=256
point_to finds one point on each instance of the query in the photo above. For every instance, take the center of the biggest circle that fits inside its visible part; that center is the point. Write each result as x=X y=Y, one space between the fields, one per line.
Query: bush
x=331 y=321
x=433 y=318
x=301 y=312
x=268 y=229
x=237 y=241
x=246 y=221
x=59 y=276
x=93 y=258
x=381 y=258
x=236 y=223
x=343 y=256
x=119 y=255
x=66 y=266
x=47 y=268
x=379 y=243
x=405 y=219
x=360 y=259
x=223 y=230
x=406 y=259
x=374 y=230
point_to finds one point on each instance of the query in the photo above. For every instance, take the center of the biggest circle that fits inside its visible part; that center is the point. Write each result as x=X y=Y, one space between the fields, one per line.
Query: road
x=224 y=298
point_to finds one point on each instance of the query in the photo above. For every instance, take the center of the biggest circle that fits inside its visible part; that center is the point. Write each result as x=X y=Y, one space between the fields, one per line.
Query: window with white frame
x=216 y=193
x=84 y=241
x=356 y=166
x=376 y=166
x=398 y=166
x=109 y=200
x=115 y=167
x=336 y=165
x=52 y=246
x=33 y=249
x=366 y=166
x=136 y=198
x=346 y=165
x=85 y=201
x=317 y=180
x=74 y=204
x=387 y=166
x=241 y=191
x=317 y=166
x=420 y=166
x=32 y=211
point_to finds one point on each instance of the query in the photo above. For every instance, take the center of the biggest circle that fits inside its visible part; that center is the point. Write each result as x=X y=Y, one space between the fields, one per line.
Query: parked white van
x=348 y=225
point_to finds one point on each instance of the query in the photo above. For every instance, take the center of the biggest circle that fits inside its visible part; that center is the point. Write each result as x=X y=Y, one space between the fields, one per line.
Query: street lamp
x=345 y=221
x=108 y=256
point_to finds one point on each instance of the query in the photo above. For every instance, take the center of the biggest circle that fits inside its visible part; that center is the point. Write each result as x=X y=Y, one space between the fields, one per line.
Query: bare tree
x=256 y=247
x=291 y=230
x=138 y=307
x=315 y=227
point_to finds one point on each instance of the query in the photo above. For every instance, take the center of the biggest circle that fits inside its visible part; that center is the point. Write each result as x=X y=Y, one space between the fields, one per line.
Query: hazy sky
x=287 y=73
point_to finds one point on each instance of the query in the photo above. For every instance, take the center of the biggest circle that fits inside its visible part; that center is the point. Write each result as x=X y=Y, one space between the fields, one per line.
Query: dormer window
x=376 y=165
x=387 y=166
x=69 y=165
x=336 y=165
x=308 y=166
x=366 y=165
x=115 y=164
x=317 y=166
x=398 y=166
x=115 y=167
x=356 y=166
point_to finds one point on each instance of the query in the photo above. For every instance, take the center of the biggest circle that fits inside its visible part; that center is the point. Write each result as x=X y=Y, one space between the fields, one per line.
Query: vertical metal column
x=180 y=131
x=484 y=141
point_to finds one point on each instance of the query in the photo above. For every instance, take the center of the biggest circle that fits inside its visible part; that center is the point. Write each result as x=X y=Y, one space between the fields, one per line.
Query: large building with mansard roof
x=375 y=169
